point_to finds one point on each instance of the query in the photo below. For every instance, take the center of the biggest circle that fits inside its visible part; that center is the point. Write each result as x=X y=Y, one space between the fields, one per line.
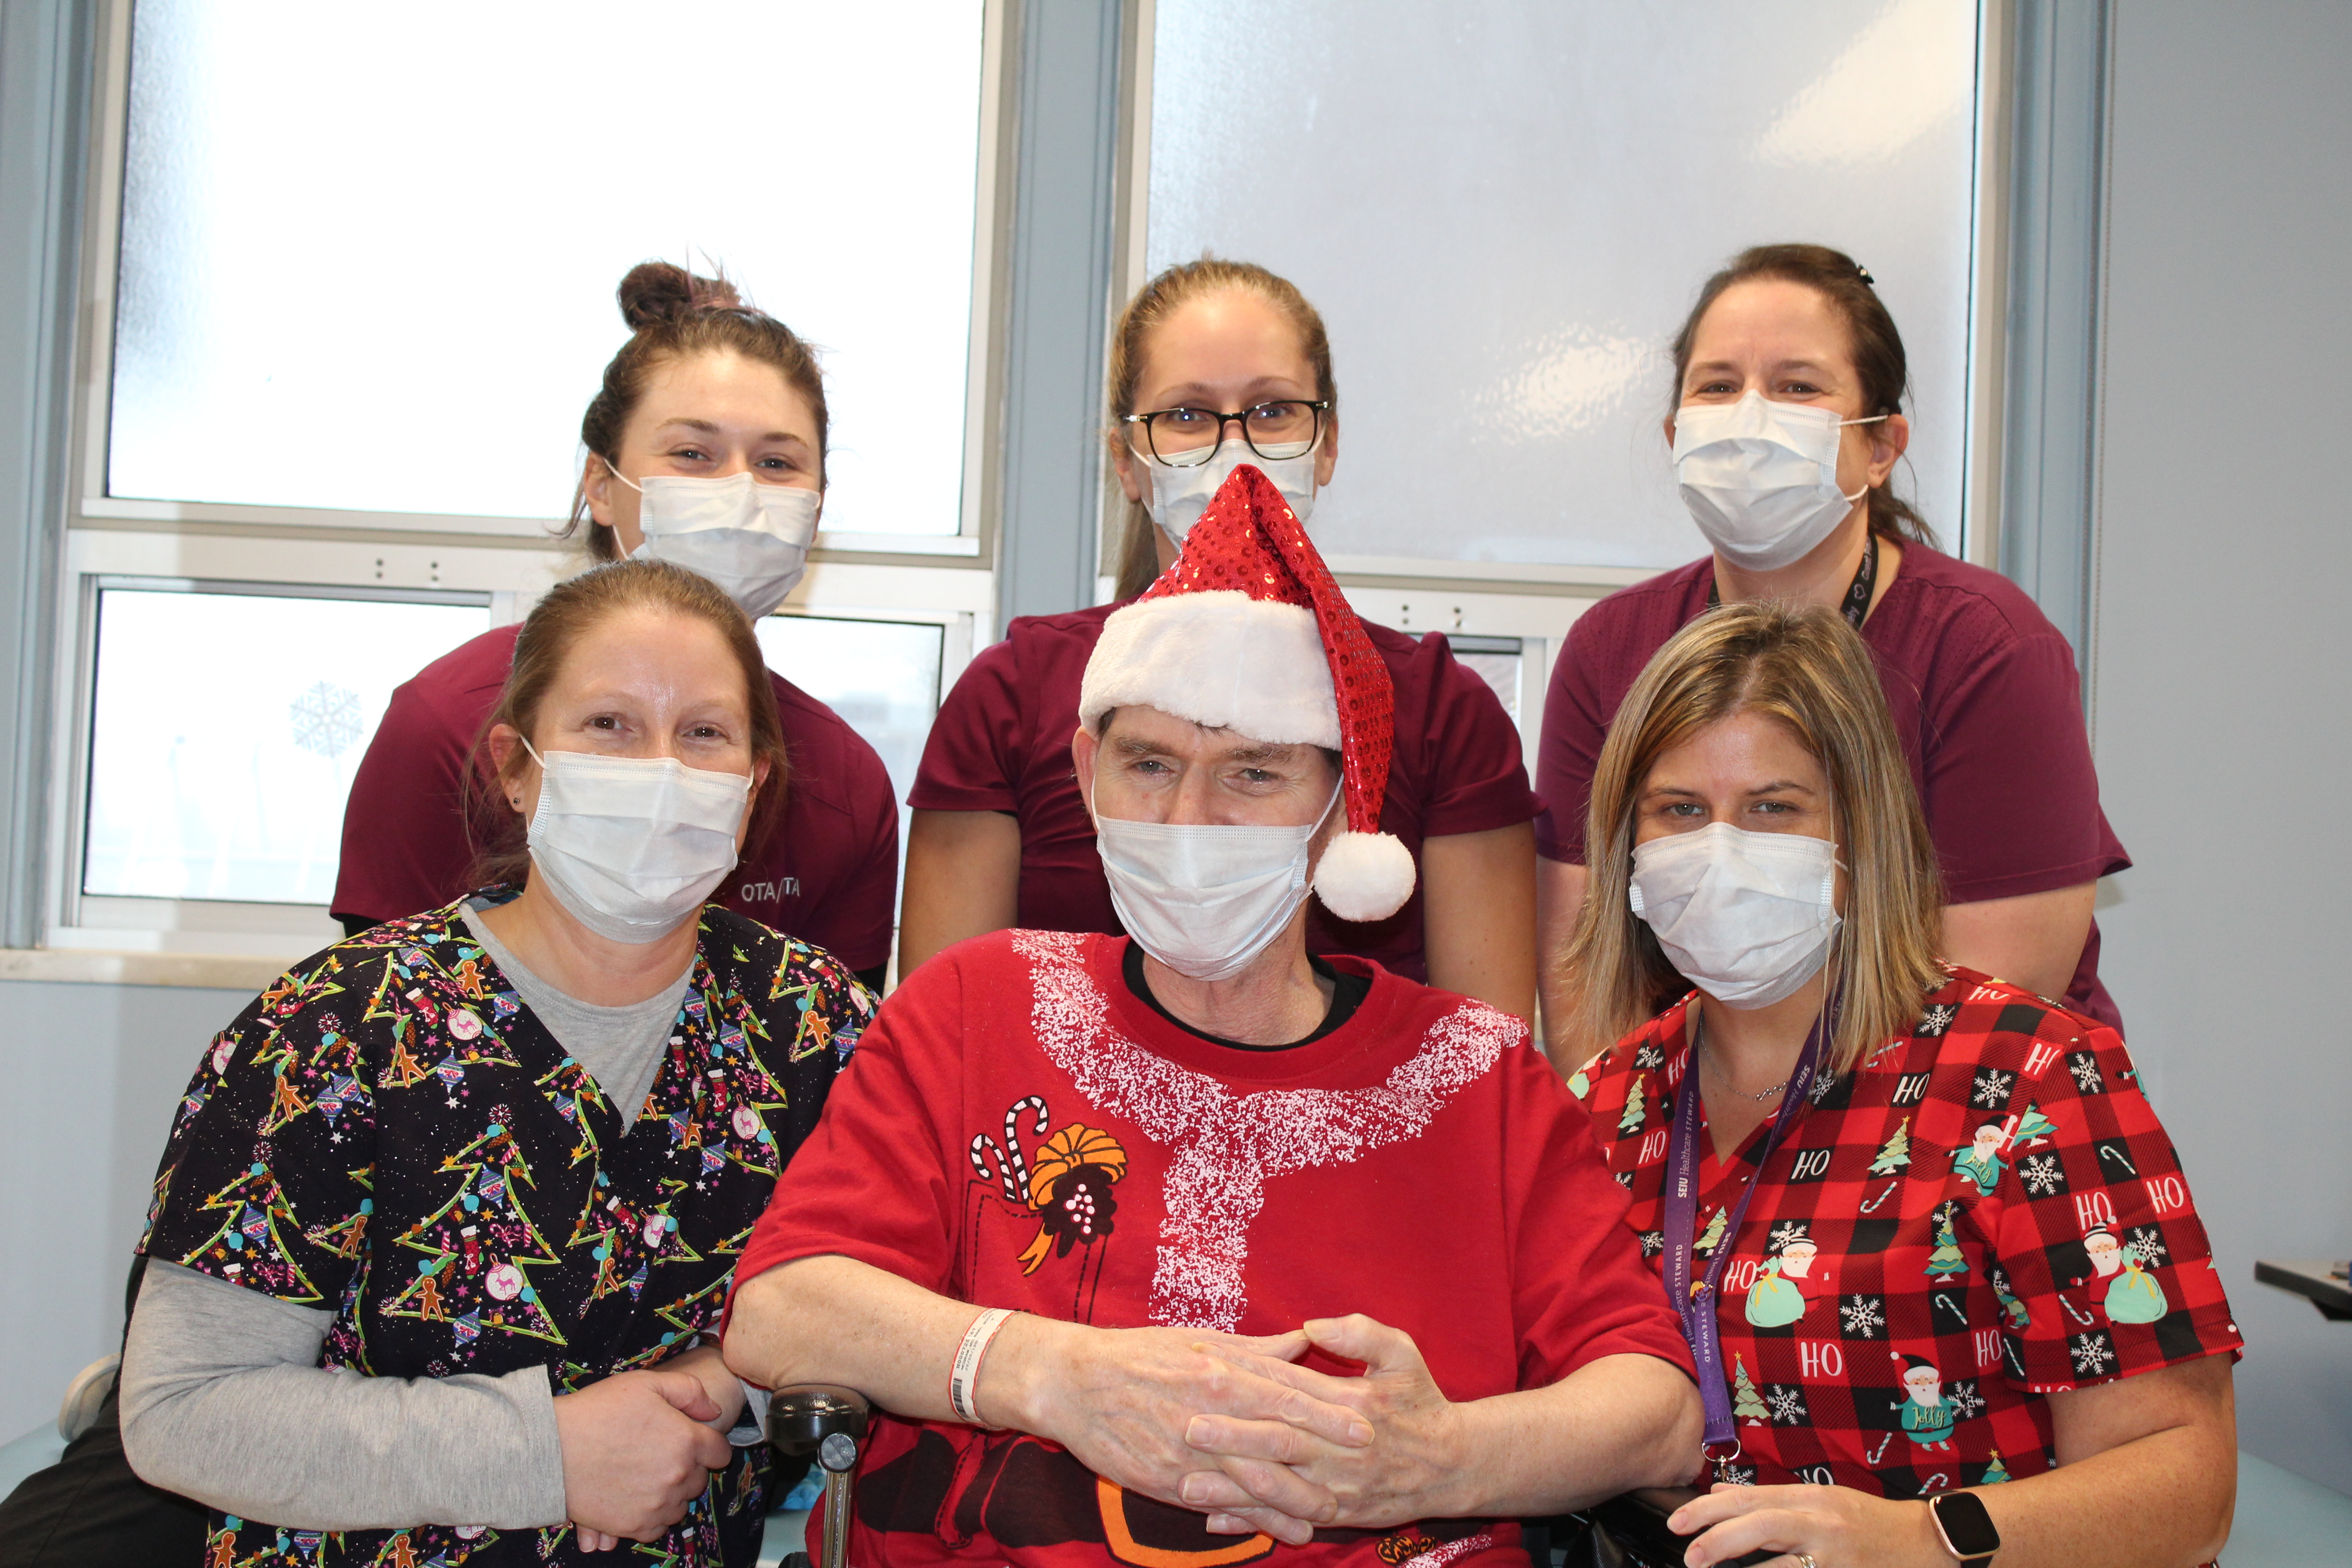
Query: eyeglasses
x=1186 y=437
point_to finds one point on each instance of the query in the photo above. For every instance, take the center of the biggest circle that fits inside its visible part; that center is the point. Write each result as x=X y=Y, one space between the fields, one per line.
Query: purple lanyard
x=1696 y=1306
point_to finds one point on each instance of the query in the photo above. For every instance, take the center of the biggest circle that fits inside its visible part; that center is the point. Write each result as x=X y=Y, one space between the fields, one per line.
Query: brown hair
x=1809 y=670
x=1131 y=339
x=671 y=313
x=554 y=628
x=1878 y=359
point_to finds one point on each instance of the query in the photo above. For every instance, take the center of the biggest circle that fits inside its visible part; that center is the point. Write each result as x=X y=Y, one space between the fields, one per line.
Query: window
x=351 y=281
x=881 y=677
x=367 y=263
x=227 y=726
x=1498 y=661
x=1504 y=212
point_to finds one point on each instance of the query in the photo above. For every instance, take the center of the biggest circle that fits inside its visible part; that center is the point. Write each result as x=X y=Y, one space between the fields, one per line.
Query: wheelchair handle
x=804 y=1420
x=817 y=1418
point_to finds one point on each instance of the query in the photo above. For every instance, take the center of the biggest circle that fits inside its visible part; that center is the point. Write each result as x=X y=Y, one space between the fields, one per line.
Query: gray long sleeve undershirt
x=223 y=1400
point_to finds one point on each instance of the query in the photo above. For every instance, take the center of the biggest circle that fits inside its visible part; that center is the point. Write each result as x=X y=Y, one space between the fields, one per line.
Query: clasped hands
x=639 y=1446
x=1230 y=1427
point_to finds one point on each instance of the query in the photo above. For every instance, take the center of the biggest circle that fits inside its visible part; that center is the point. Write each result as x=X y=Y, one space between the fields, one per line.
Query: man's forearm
x=1623 y=1421
x=837 y=1320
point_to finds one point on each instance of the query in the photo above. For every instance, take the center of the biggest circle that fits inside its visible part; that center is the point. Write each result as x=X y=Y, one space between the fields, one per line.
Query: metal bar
x=836 y=1519
x=1063 y=223
x=2050 y=438
x=47 y=55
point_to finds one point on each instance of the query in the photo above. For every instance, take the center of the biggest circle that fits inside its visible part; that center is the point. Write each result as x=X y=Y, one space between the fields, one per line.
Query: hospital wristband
x=964 y=1376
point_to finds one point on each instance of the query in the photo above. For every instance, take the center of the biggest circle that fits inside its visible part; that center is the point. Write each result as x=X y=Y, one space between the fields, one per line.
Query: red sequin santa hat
x=1247 y=632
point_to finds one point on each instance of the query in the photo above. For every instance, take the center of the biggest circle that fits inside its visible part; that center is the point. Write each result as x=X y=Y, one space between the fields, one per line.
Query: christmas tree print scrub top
x=388 y=1132
x=1984 y=1212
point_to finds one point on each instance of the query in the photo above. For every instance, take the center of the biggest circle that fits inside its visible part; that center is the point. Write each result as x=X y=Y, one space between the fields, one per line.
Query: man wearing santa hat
x=1163 y=1249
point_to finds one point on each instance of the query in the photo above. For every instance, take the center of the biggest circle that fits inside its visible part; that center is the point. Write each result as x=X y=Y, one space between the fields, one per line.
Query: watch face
x=1968 y=1528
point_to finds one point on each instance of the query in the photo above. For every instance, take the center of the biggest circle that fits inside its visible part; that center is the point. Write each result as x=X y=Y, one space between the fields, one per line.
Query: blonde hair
x=1131 y=339
x=1808 y=670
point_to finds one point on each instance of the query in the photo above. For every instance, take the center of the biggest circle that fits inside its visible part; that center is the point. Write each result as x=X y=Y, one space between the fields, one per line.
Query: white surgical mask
x=632 y=845
x=1179 y=495
x=1202 y=898
x=1747 y=918
x=1760 y=477
x=752 y=539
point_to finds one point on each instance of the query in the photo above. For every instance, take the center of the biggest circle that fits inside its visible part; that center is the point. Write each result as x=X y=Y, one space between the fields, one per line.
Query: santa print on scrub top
x=1904 y=1281
x=1788 y=1283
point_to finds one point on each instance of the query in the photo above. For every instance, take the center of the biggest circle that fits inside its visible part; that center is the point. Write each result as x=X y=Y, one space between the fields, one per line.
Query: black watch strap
x=1966 y=1529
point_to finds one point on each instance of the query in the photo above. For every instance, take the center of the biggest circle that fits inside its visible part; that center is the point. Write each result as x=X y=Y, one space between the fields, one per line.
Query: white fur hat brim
x=1222 y=659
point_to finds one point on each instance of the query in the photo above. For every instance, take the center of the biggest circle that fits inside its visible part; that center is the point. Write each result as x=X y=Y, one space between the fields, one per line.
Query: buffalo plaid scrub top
x=1984 y=1212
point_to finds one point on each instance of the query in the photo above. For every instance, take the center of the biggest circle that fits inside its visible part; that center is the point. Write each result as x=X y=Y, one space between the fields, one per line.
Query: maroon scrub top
x=1001 y=742
x=1983 y=692
x=828 y=873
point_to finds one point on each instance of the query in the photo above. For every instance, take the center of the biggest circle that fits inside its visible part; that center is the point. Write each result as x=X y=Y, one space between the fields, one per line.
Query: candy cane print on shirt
x=1225 y=1147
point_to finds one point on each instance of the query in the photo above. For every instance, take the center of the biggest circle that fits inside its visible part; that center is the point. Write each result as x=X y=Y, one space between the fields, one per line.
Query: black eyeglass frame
x=1319 y=406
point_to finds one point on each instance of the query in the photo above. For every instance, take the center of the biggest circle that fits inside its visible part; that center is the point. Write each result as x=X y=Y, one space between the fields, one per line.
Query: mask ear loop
x=535 y=757
x=614 y=469
x=1874 y=419
x=1336 y=790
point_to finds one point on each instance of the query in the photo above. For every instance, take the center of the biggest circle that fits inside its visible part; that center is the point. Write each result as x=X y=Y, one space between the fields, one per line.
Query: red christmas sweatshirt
x=1018 y=1128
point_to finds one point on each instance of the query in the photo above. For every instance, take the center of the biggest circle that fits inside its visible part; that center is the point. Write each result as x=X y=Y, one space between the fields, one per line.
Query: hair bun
x=658 y=292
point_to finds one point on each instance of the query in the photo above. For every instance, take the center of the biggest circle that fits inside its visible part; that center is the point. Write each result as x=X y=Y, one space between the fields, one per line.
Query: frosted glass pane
x=1499 y=670
x=223 y=776
x=1505 y=210
x=881 y=677
x=369 y=252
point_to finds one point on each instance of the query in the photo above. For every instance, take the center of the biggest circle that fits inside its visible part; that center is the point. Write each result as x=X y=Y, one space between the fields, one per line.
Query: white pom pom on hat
x=1364 y=876
x=1191 y=648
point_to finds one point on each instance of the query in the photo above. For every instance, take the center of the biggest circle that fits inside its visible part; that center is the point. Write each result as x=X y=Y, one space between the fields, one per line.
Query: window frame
x=948 y=579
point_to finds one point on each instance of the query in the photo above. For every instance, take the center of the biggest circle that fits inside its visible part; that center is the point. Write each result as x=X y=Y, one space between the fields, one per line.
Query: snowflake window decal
x=326 y=719
x=2042 y=1175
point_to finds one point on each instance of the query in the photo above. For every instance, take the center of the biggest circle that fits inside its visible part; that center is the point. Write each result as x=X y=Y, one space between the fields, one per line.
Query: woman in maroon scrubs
x=705 y=389
x=1216 y=363
x=1788 y=425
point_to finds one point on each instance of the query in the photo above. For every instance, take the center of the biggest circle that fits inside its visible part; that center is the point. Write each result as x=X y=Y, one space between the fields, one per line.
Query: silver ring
x=1807 y=1559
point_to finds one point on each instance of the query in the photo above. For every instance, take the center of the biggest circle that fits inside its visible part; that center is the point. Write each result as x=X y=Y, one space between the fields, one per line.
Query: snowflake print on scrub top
x=388 y=1132
x=1984 y=1212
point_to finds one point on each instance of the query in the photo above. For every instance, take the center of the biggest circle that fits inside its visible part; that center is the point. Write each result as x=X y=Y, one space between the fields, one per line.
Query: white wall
x=2224 y=651
x=89 y=1079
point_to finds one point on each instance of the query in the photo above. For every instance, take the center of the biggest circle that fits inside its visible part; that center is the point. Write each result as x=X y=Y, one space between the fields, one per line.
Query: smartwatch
x=1967 y=1528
